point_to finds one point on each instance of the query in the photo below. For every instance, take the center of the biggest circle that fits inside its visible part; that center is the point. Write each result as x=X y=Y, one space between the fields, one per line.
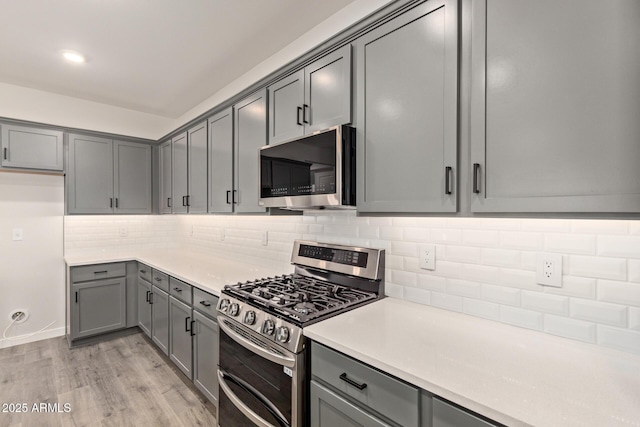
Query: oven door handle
x=248 y=412
x=273 y=357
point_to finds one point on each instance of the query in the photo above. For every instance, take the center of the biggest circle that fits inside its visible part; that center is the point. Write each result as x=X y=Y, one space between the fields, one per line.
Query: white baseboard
x=49 y=333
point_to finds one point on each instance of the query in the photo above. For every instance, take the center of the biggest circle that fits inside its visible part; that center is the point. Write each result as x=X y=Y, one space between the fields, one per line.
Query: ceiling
x=161 y=57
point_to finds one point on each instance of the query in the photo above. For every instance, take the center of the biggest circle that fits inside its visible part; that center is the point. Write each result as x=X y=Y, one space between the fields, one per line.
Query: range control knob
x=224 y=304
x=268 y=327
x=282 y=334
x=234 y=309
x=250 y=317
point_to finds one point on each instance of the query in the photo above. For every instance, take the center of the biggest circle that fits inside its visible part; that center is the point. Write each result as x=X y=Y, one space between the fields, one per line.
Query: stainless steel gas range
x=263 y=353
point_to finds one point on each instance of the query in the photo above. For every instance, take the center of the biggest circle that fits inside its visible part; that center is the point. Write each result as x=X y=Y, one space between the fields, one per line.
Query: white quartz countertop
x=207 y=272
x=509 y=374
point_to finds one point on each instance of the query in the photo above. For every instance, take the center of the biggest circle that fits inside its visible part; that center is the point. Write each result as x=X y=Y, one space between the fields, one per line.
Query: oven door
x=259 y=383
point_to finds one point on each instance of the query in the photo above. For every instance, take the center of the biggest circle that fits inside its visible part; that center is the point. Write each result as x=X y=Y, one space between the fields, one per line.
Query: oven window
x=266 y=377
x=303 y=167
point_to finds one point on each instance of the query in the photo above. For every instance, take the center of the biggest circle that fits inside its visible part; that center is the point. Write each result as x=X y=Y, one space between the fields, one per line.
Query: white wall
x=485 y=267
x=23 y=103
x=32 y=270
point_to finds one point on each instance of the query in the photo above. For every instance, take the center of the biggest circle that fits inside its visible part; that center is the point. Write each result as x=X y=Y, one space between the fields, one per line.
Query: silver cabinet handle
x=273 y=357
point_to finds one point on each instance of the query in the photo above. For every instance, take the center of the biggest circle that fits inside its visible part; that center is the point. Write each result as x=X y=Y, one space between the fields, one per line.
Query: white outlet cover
x=549 y=269
x=124 y=232
x=427 y=257
x=18 y=234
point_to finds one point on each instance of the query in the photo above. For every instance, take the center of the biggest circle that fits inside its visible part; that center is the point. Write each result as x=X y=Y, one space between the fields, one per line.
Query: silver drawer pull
x=348 y=380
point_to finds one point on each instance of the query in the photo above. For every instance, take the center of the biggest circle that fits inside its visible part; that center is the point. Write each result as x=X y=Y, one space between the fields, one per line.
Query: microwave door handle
x=256 y=349
x=238 y=403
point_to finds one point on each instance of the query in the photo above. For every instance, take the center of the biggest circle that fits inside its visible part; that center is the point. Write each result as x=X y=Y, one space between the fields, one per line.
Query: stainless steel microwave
x=313 y=171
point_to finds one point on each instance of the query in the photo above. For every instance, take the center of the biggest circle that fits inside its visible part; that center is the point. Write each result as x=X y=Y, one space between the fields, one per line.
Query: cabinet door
x=197 y=152
x=205 y=356
x=160 y=319
x=166 y=200
x=221 y=161
x=144 y=306
x=250 y=133
x=180 y=342
x=90 y=175
x=286 y=99
x=179 y=166
x=32 y=148
x=327 y=96
x=555 y=101
x=329 y=410
x=98 y=307
x=446 y=415
x=132 y=177
x=407 y=112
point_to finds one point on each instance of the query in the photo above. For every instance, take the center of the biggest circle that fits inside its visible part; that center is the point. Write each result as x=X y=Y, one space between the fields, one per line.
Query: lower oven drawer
x=390 y=397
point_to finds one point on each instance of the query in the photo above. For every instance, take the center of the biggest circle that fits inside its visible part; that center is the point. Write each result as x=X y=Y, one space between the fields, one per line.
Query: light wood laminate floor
x=121 y=382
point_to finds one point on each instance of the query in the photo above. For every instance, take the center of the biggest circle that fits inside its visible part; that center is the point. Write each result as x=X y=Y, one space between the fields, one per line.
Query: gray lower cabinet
x=205 y=355
x=31 y=148
x=221 y=162
x=106 y=176
x=314 y=98
x=447 y=415
x=99 y=306
x=165 y=173
x=160 y=318
x=180 y=332
x=407 y=94
x=250 y=133
x=347 y=392
x=554 y=116
x=144 y=306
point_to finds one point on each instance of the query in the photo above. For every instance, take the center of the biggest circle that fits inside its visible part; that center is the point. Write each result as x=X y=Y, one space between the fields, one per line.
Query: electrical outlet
x=265 y=238
x=427 y=257
x=18 y=234
x=549 y=270
x=124 y=232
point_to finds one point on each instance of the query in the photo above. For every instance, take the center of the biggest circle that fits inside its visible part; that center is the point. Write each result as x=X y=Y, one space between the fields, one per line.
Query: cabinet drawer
x=180 y=290
x=388 y=396
x=160 y=280
x=97 y=271
x=205 y=302
x=144 y=272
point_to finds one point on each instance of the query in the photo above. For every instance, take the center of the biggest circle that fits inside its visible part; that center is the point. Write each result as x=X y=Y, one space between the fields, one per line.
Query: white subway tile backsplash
x=485 y=267
x=521 y=240
x=449 y=302
x=485 y=309
x=622 y=339
x=580 y=244
x=634 y=318
x=463 y=288
x=570 y=328
x=546 y=303
x=619 y=292
x=519 y=317
x=599 y=312
x=598 y=267
x=619 y=246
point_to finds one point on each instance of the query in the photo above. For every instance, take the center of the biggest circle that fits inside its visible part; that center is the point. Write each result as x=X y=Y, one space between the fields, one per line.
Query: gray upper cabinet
x=314 y=98
x=132 y=177
x=250 y=133
x=554 y=106
x=179 y=167
x=106 y=176
x=90 y=175
x=221 y=161
x=197 y=168
x=32 y=148
x=165 y=160
x=407 y=73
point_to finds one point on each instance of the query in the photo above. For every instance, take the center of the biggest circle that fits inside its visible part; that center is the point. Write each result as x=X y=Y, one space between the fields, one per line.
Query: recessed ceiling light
x=73 y=56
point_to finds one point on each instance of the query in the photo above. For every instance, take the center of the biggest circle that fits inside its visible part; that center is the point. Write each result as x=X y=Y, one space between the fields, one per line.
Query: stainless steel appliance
x=316 y=170
x=263 y=353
